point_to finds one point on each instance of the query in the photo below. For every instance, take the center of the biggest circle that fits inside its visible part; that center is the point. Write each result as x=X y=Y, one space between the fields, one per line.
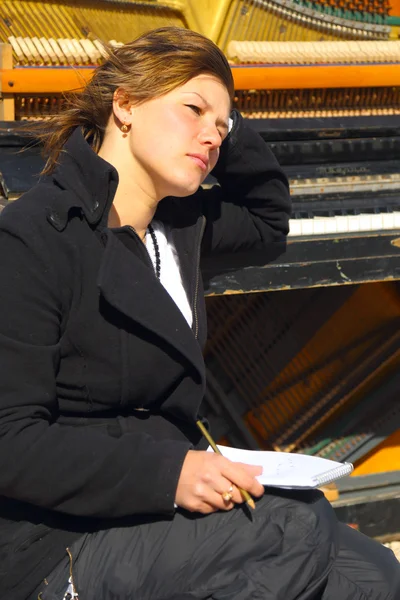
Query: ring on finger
x=227 y=496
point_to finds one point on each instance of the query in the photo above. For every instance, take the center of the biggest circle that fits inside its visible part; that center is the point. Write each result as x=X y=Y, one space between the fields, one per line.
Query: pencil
x=249 y=500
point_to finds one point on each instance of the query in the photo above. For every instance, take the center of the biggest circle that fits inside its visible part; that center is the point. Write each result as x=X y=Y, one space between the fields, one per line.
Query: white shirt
x=170 y=274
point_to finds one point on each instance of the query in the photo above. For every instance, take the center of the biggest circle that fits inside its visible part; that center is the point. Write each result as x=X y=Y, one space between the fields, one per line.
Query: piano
x=304 y=351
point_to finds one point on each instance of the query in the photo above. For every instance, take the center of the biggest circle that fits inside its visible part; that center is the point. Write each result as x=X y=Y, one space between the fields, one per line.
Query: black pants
x=292 y=549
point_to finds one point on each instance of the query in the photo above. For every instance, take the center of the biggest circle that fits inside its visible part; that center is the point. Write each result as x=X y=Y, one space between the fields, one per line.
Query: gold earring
x=124 y=128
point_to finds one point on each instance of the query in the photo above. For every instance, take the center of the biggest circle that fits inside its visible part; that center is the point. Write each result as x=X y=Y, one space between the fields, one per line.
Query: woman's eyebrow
x=220 y=122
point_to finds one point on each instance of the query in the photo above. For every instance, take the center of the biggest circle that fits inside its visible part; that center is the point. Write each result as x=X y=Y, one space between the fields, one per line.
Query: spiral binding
x=336 y=473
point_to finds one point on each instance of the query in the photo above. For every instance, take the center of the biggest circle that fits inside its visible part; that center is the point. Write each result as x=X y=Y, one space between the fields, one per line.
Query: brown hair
x=148 y=67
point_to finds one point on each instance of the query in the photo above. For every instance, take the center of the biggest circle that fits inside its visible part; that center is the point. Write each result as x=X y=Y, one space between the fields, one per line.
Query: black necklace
x=156 y=251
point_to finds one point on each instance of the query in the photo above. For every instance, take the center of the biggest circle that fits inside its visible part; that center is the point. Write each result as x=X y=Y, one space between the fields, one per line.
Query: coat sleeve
x=250 y=207
x=78 y=471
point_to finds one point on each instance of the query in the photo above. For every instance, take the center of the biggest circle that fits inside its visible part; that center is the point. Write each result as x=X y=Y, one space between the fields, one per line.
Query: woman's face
x=175 y=139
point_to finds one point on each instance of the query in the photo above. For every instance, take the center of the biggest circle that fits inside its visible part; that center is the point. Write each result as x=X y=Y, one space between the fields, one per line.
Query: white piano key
x=318 y=225
x=376 y=222
x=295 y=227
x=354 y=223
x=306 y=226
x=345 y=224
x=331 y=225
x=342 y=223
x=388 y=221
x=365 y=222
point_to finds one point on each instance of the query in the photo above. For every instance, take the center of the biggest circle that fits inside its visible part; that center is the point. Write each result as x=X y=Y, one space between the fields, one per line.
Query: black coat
x=89 y=337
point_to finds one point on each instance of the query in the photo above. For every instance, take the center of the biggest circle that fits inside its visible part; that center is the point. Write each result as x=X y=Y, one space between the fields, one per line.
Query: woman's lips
x=201 y=161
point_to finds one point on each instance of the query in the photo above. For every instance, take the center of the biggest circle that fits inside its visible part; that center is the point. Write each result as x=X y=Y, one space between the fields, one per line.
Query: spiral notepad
x=290 y=470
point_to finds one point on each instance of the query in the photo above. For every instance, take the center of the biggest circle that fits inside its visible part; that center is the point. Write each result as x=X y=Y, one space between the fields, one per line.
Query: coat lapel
x=130 y=286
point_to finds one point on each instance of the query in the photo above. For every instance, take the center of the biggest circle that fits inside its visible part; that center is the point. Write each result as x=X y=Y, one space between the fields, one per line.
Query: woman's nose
x=210 y=136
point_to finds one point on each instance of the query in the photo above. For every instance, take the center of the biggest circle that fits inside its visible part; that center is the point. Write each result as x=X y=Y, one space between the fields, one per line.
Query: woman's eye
x=195 y=108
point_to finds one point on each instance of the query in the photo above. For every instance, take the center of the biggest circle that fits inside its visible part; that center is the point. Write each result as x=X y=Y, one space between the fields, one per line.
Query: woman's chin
x=183 y=189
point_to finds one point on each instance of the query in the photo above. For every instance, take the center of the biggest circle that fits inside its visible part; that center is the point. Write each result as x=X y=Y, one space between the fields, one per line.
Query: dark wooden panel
x=371 y=503
x=310 y=262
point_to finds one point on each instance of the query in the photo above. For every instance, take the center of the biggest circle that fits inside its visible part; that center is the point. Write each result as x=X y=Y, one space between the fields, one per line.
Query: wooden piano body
x=304 y=348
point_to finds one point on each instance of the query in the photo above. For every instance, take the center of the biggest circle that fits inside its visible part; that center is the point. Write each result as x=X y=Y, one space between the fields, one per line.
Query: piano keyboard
x=315 y=202
x=316 y=225
x=330 y=205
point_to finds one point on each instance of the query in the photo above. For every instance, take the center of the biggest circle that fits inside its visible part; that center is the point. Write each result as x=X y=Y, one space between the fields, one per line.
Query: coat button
x=95 y=206
x=54 y=218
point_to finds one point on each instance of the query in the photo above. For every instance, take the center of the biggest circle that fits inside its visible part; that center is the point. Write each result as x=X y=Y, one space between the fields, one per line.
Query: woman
x=102 y=475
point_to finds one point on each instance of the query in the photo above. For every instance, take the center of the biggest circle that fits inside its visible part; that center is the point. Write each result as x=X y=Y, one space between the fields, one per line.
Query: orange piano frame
x=44 y=80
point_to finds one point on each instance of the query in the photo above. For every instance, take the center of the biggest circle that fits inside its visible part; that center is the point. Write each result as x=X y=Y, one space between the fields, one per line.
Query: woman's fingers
x=243 y=476
x=253 y=470
x=228 y=491
x=210 y=482
x=235 y=476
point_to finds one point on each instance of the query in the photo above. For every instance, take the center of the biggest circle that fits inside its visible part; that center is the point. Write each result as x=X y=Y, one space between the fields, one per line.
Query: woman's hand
x=205 y=476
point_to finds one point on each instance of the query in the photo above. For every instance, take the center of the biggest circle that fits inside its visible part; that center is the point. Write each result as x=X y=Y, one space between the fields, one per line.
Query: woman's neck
x=135 y=200
x=131 y=208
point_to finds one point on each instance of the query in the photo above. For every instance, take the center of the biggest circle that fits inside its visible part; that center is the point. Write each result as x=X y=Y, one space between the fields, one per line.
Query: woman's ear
x=122 y=107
